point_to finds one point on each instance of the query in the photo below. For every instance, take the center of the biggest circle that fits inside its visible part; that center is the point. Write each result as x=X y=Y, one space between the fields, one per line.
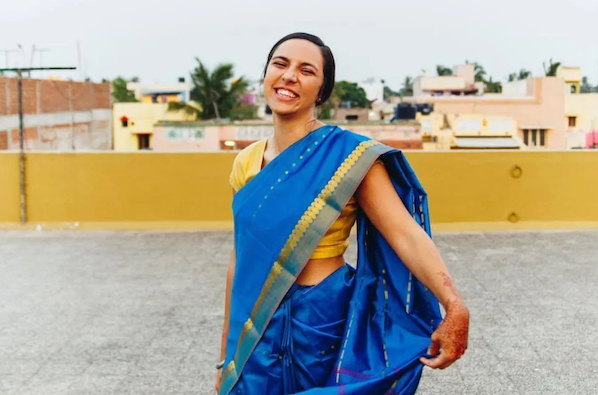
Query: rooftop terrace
x=140 y=312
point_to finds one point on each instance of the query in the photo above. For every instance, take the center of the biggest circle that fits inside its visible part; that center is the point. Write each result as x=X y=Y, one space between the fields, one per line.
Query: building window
x=542 y=137
x=573 y=89
x=143 y=141
x=534 y=137
x=124 y=121
x=572 y=121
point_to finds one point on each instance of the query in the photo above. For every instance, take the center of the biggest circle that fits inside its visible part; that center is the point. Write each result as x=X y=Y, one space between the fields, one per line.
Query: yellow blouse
x=336 y=240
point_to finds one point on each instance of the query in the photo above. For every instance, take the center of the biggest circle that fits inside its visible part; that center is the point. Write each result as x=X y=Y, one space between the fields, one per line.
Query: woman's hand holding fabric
x=449 y=341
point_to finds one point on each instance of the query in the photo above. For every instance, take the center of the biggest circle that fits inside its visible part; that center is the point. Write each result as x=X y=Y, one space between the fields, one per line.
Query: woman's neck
x=289 y=130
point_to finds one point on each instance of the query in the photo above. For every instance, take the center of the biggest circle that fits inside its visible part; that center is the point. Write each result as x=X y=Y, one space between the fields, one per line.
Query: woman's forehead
x=301 y=51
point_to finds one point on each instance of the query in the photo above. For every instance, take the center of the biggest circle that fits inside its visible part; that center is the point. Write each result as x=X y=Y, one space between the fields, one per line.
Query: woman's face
x=294 y=77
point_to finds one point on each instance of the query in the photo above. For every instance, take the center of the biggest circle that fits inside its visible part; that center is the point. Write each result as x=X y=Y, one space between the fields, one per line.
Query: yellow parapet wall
x=145 y=190
x=9 y=188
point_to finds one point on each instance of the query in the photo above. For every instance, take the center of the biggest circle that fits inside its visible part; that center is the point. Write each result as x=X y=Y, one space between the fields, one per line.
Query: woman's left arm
x=377 y=197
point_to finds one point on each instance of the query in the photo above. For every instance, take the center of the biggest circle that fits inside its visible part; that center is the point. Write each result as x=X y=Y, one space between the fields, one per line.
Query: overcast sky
x=158 y=40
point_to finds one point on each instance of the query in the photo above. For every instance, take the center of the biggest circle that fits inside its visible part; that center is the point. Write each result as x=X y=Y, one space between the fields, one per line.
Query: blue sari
x=358 y=331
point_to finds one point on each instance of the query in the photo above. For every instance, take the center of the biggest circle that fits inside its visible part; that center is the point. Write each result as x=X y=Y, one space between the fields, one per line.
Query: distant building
x=549 y=112
x=469 y=131
x=461 y=83
x=134 y=124
x=58 y=115
x=162 y=93
x=581 y=110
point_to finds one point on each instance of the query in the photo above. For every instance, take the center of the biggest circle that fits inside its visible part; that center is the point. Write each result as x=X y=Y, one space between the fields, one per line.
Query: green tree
x=407 y=88
x=215 y=91
x=389 y=93
x=120 y=93
x=522 y=75
x=243 y=111
x=350 y=92
x=552 y=68
x=192 y=109
x=325 y=110
x=478 y=70
x=586 y=87
x=492 y=86
x=442 y=70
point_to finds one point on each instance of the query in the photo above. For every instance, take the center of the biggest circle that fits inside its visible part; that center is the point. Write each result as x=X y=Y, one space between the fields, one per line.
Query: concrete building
x=536 y=105
x=176 y=135
x=461 y=83
x=581 y=110
x=134 y=124
x=548 y=112
x=469 y=131
x=58 y=115
x=161 y=93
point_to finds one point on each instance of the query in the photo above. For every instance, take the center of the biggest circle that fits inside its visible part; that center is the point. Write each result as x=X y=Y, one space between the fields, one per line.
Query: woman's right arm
x=230 y=273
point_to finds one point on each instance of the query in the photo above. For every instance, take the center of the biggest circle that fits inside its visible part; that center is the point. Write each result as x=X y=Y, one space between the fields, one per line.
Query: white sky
x=158 y=40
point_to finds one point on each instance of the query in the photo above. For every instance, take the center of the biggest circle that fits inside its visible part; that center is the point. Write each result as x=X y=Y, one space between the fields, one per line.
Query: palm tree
x=492 y=86
x=552 y=68
x=213 y=91
x=192 y=109
x=442 y=70
x=479 y=72
x=407 y=88
x=522 y=75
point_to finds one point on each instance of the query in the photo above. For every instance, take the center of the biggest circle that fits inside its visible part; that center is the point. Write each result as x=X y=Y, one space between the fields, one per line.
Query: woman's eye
x=308 y=71
x=278 y=64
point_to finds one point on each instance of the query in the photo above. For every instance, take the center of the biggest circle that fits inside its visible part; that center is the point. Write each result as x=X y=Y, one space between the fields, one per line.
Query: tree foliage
x=192 y=109
x=523 y=74
x=492 y=86
x=407 y=88
x=215 y=91
x=442 y=70
x=388 y=93
x=352 y=94
x=243 y=111
x=586 y=87
x=120 y=93
x=552 y=68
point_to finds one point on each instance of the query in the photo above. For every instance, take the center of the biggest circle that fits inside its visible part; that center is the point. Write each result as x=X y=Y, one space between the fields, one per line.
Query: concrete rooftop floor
x=141 y=313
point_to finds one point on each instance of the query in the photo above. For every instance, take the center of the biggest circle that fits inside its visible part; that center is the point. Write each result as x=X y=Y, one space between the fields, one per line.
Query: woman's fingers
x=434 y=348
x=441 y=361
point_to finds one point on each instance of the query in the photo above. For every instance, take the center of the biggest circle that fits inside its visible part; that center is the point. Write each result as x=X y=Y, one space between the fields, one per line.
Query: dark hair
x=329 y=66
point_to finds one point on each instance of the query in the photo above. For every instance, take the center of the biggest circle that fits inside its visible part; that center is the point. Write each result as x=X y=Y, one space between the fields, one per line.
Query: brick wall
x=3 y=140
x=58 y=115
x=52 y=96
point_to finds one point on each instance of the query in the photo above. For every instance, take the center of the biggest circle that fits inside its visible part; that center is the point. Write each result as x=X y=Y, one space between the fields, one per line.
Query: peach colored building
x=537 y=105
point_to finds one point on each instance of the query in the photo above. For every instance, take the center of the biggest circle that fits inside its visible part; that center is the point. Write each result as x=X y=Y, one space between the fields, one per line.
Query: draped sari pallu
x=280 y=217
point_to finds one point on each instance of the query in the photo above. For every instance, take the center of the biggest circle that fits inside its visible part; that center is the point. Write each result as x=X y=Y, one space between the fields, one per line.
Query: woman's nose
x=289 y=75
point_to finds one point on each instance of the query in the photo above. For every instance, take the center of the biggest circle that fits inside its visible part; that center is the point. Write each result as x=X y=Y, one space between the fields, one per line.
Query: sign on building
x=185 y=133
x=253 y=133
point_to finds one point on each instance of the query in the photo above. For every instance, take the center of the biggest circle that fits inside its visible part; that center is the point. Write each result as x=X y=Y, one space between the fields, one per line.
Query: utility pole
x=7 y=52
x=19 y=72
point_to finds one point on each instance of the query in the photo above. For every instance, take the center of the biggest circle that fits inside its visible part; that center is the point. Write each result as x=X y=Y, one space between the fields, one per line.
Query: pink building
x=536 y=104
x=196 y=136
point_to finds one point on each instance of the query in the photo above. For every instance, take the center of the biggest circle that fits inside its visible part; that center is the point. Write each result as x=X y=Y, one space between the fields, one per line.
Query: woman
x=298 y=319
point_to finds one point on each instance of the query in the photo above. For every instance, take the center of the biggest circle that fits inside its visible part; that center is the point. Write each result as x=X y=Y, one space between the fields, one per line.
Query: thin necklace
x=276 y=142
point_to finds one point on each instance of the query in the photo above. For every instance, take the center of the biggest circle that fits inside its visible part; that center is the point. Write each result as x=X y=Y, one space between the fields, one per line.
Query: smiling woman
x=298 y=319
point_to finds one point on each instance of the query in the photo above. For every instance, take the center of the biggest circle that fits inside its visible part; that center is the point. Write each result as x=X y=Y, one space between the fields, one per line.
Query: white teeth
x=286 y=93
